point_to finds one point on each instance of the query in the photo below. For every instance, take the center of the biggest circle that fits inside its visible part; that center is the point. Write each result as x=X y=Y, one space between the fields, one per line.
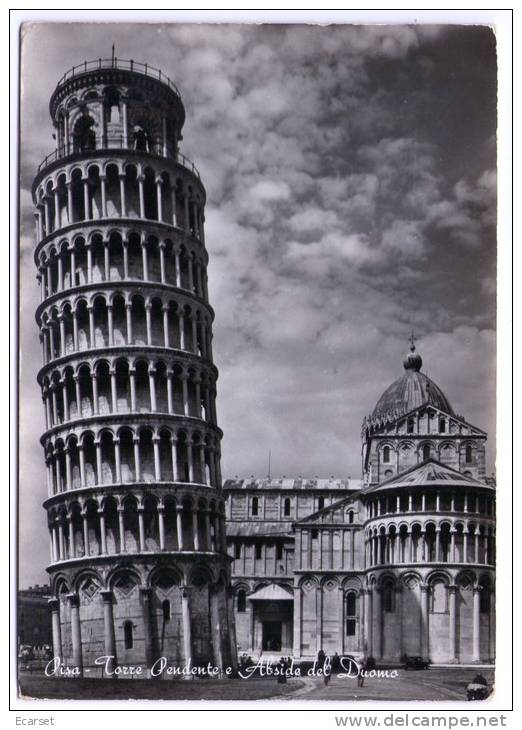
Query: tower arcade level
x=132 y=446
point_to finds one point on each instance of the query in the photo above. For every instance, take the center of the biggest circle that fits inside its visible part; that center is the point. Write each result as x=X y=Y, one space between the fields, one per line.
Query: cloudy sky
x=350 y=176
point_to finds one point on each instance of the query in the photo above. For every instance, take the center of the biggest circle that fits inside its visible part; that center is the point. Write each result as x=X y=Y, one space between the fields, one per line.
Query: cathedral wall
x=465 y=623
x=411 y=617
x=309 y=620
x=200 y=623
x=167 y=630
x=439 y=636
x=126 y=607
x=91 y=620
x=331 y=598
x=243 y=624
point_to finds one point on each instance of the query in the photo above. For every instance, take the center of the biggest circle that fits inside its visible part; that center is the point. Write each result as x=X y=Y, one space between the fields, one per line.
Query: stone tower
x=135 y=508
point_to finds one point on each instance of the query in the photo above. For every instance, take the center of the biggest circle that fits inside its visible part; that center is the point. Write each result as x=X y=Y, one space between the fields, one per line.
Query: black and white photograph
x=257 y=351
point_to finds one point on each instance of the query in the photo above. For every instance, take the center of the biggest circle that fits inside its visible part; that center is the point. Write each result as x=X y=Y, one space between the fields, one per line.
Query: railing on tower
x=121 y=63
x=153 y=147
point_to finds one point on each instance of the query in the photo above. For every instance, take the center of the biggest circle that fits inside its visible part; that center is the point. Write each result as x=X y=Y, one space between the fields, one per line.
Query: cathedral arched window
x=320 y=503
x=351 y=613
x=439 y=597
x=166 y=610
x=128 y=631
x=286 y=507
x=350 y=516
x=469 y=454
x=255 y=507
x=410 y=425
x=241 y=601
x=388 y=597
x=425 y=452
x=386 y=455
x=442 y=425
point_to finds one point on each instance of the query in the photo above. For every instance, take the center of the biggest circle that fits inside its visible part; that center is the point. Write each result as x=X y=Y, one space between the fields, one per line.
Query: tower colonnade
x=128 y=454
x=132 y=445
x=119 y=321
x=95 y=525
x=126 y=385
x=119 y=253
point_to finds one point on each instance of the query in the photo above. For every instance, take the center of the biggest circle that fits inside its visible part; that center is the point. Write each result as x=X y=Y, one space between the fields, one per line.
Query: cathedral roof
x=430 y=473
x=258 y=529
x=271 y=592
x=292 y=483
x=409 y=392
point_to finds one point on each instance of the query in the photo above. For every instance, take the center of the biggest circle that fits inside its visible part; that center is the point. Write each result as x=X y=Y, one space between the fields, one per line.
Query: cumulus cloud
x=342 y=210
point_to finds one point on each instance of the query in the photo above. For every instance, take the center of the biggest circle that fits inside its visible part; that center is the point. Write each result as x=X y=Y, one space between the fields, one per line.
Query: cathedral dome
x=412 y=390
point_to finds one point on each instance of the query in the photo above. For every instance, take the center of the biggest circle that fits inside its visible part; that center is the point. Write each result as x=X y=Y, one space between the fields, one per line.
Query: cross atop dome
x=412 y=361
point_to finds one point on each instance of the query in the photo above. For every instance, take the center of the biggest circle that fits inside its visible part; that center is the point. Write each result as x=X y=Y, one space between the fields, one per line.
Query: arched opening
x=112 y=526
x=108 y=470
x=147 y=456
x=141 y=379
x=149 y=195
x=119 y=321
x=139 y=321
x=171 y=542
x=111 y=103
x=241 y=601
x=151 y=524
x=101 y=322
x=161 y=387
x=128 y=473
x=131 y=525
x=85 y=391
x=286 y=507
x=84 y=335
x=112 y=191
x=84 y=136
x=132 y=193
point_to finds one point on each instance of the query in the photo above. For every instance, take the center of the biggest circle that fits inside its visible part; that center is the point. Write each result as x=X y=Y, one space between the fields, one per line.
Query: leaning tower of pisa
x=132 y=447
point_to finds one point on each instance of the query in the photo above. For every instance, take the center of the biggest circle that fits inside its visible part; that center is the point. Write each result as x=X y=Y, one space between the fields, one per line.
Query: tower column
x=452 y=623
x=476 y=624
x=424 y=622
x=54 y=605
x=161 y=524
x=76 y=635
x=108 y=629
x=377 y=641
x=185 y=613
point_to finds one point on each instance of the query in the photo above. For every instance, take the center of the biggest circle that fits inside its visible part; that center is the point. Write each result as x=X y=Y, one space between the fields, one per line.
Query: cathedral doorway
x=272 y=635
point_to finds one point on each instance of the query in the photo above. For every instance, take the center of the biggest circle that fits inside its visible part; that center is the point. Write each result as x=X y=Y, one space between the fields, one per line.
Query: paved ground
x=434 y=684
x=39 y=686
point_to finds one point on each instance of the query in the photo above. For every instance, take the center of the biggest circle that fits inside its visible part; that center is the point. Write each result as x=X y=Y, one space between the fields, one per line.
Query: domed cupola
x=411 y=391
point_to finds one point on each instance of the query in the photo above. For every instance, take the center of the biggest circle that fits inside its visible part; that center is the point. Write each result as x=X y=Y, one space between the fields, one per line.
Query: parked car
x=25 y=652
x=478 y=689
x=415 y=662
